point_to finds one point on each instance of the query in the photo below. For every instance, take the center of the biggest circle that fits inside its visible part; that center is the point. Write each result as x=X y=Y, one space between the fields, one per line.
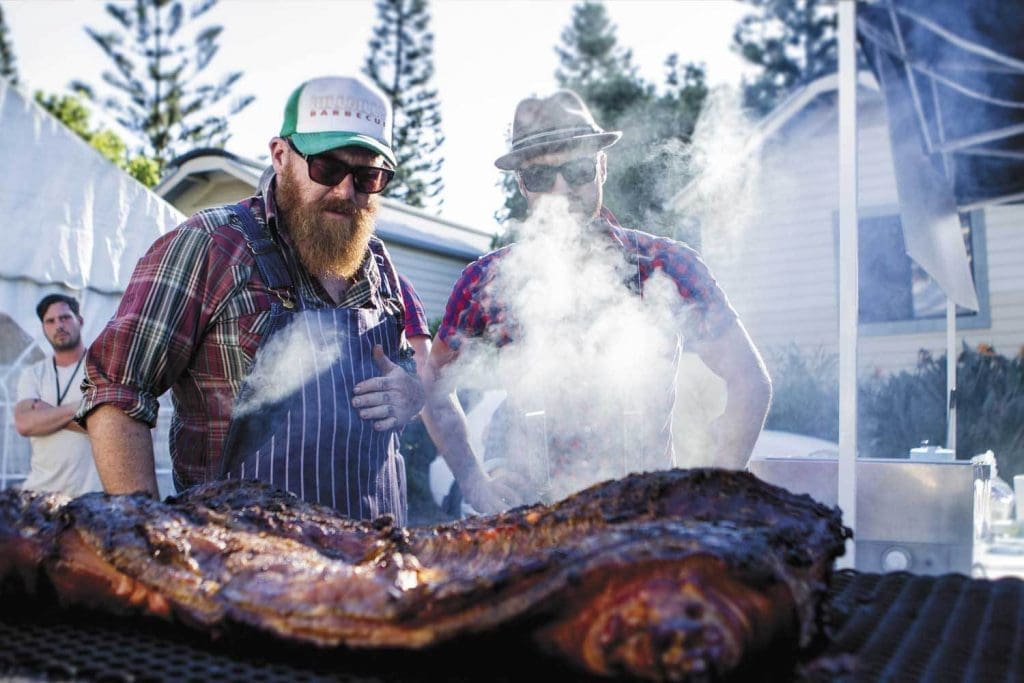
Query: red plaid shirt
x=474 y=309
x=191 y=320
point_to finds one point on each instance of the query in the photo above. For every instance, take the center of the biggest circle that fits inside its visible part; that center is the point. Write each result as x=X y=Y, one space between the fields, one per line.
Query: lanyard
x=56 y=378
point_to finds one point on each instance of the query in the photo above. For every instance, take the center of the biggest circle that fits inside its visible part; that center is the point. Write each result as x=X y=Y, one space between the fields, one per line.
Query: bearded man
x=586 y=321
x=279 y=324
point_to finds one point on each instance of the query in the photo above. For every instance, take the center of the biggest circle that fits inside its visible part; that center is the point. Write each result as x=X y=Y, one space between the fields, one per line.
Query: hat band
x=555 y=136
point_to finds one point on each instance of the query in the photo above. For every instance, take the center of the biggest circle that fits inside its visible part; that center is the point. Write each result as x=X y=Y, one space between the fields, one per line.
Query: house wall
x=781 y=273
x=432 y=275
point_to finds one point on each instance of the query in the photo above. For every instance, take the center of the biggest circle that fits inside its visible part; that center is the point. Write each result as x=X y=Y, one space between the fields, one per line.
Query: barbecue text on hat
x=339 y=111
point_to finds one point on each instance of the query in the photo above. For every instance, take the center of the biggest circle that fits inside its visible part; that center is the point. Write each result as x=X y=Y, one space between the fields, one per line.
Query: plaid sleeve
x=697 y=286
x=466 y=314
x=415 y=318
x=169 y=302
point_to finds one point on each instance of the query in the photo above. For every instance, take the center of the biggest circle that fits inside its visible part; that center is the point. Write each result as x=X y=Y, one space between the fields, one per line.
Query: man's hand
x=390 y=400
x=487 y=495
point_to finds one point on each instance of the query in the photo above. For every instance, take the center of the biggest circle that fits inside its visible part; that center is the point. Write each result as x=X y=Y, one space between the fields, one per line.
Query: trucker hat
x=339 y=111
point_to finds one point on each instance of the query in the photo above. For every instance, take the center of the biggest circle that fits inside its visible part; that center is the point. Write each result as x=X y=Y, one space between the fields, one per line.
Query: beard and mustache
x=328 y=245
x=70 y=341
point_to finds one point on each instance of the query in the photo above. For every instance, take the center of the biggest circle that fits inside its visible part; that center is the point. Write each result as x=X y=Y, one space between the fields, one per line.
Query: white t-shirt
x=61 y=461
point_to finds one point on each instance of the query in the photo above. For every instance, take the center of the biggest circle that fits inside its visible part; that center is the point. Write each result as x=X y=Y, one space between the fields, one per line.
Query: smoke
x=725 y=196
x=590 y=372
x=288 y=360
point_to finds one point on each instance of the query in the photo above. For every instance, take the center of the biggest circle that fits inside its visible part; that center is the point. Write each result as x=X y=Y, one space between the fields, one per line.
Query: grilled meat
x=665 y=576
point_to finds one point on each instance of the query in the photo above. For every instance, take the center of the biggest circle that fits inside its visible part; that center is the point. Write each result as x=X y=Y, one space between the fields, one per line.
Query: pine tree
x=401 y=63
x=791 y=41
x=647 y=167
x=155 y=78
x=8 y=62
x=594 y=65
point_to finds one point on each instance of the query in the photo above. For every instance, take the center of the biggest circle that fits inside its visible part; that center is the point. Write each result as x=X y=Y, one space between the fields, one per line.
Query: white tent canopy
x=72 y=223
x=71 y=219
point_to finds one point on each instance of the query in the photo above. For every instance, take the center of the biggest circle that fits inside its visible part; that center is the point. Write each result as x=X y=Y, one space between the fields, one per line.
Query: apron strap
x=391 y=287
x=267 y=254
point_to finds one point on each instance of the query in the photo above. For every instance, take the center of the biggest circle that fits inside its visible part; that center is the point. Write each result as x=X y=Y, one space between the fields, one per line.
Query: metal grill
x=51 y=644
x=891 y=627
x=907 y=628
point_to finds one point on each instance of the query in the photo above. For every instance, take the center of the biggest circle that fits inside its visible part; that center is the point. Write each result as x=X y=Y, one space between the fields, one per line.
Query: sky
x=489 y=54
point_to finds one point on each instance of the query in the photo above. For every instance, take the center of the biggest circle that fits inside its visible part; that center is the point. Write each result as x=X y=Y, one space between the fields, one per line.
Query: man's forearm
x=123 y=450
x=734 y=358
x=735 y=431
x=446 y=424
x=38 y=418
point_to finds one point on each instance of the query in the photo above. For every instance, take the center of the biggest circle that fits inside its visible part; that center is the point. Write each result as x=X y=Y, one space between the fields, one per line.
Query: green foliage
x=8 y=62
x=792 y=42
x=144 y=169
x=401 y=63
x=155 y=74
x=649 y=165
x=900 y=411
x=805 y=393
x=73 y=113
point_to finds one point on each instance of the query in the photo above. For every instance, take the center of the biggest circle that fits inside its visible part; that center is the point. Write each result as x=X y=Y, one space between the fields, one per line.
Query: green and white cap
x=339 y=111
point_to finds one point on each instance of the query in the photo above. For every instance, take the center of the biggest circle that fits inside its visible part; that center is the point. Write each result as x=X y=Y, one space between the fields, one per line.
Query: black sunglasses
x=576 y=172
x=328 y=170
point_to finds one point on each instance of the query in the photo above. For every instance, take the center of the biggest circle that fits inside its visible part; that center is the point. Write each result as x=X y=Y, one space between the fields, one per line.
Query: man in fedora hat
x=279 y=324
x=583 y=276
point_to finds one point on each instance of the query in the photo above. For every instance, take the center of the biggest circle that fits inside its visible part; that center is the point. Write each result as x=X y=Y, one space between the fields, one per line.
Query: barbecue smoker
x=913 y=515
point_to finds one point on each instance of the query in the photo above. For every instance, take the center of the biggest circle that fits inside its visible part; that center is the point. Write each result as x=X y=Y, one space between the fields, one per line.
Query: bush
x=897 y=412
x=900 y=411
x=805 y=393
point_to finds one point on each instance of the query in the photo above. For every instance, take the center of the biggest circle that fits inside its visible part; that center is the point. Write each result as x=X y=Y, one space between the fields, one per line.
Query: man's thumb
x=381 y=360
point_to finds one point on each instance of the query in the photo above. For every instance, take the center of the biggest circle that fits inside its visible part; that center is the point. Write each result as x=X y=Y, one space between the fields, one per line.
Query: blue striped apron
x=303 y=435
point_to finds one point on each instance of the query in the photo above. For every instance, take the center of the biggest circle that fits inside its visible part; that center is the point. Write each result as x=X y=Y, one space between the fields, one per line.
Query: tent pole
x=848 y=293
x=950 y=374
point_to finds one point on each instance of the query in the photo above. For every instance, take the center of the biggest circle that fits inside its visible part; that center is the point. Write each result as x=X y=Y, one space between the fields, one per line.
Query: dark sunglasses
x=576 y=172
x=328 y=170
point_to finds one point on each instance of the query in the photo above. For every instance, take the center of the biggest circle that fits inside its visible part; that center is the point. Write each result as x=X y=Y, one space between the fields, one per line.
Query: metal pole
x=951 y=374
x=848 y=294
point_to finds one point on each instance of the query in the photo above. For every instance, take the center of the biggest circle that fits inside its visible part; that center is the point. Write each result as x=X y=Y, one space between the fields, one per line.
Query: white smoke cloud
x=289 y=359
x=727 y=167
x=591 y=366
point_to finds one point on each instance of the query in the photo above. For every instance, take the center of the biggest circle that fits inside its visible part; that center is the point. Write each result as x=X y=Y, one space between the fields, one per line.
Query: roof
x=396 y=222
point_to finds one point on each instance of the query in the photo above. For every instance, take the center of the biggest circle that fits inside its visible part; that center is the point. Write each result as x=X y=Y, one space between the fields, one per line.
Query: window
x=894 y=289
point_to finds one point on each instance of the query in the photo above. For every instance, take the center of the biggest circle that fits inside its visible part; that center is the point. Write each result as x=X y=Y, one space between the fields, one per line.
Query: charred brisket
x=675 y=575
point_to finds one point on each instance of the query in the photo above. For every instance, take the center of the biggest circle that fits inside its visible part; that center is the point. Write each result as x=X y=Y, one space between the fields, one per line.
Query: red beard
x=330 y=235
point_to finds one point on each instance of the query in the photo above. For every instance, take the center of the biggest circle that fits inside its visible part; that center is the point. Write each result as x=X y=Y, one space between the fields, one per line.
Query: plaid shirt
x=474 y=309
x=191 y=320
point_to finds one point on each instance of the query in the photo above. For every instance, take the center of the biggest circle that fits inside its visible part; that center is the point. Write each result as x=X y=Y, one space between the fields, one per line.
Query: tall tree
x=74 y=114
x=8 y=63
x=647 y=166
x=401 y=63
x=155 y=77
x=592 y=63
x=792 y=42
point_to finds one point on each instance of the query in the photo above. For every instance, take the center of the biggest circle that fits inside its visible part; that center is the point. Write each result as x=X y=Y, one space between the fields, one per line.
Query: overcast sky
x=488 y=55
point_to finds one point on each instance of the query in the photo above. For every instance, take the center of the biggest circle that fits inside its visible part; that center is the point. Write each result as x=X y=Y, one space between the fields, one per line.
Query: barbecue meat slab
x=674 y=575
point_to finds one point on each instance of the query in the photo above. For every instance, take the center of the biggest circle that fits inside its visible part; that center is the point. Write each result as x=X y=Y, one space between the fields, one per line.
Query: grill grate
x=891 y=627
x=907 y=628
